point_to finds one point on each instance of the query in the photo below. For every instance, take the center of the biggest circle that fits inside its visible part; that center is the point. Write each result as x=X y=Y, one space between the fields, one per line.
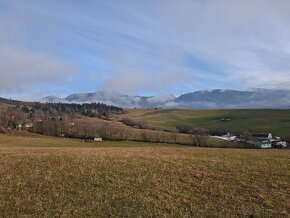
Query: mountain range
x=205 y=99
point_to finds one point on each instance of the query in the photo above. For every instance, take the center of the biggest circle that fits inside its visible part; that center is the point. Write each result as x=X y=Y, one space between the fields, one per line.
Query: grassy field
x=48 y=177
x=34 y=140
x=275 y=121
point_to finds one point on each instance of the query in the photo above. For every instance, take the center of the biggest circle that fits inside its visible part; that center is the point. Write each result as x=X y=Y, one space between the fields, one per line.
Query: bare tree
x=184 y=128
x=174 y=136
x=200 y=137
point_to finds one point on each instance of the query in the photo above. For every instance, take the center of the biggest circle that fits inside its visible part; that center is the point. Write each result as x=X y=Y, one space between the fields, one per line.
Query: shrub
x=184 y=128
x=137 y=124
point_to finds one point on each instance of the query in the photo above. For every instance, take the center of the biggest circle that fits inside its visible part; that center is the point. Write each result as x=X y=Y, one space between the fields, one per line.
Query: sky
x=152 y=47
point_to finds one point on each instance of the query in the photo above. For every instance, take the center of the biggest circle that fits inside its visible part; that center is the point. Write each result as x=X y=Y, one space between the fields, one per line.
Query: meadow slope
x=69 y=178
x=275 y=121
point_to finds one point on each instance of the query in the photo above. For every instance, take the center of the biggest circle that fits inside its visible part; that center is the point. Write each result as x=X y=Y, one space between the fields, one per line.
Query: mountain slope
x=219 y=98
x=206 y=99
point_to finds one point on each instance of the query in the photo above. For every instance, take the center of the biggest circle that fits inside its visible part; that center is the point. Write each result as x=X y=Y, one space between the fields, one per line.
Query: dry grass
x=57 y=181
x=26 y=139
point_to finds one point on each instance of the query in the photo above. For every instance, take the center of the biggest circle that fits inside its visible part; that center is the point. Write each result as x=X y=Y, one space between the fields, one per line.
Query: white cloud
x=23 y=70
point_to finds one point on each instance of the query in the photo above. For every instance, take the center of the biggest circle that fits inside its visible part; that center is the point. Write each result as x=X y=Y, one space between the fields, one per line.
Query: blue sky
x=142 y=47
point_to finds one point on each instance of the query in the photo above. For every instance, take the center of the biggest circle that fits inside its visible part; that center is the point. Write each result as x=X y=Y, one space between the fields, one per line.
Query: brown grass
x=140 y=181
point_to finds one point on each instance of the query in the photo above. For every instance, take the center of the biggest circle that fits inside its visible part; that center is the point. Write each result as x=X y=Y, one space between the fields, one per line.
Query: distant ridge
x=204 y=99
x=8 y=101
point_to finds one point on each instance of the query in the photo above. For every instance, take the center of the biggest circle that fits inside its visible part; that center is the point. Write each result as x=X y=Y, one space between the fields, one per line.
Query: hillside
x=275 y=121
x=8 y=101
x=5 y=103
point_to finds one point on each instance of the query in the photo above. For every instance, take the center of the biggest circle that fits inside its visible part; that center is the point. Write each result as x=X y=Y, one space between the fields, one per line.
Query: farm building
x=265 y=144
x=29 y=125
x=262 y=136
x=98 y=139
x=266 y=140
x=279 y=144
x=227 y=137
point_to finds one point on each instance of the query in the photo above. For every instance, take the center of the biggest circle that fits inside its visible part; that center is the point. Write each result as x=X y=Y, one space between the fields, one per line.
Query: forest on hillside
x=25 y=113
x=58 y=109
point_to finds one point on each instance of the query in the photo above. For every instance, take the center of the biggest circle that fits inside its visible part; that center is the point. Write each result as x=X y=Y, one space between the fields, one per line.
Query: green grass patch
x=275 y=121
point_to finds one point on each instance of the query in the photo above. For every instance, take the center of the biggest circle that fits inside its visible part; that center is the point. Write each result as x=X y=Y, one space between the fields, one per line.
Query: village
x=256 y=140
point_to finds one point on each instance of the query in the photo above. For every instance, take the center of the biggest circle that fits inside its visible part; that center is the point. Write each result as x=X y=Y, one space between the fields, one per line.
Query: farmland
x=275 y=121
x=47 y=176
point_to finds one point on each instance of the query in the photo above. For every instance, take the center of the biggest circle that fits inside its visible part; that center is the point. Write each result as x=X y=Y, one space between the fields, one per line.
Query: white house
x=29 y=125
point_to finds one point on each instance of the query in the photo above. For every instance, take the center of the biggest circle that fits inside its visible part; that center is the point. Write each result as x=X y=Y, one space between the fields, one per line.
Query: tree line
x=57 y=109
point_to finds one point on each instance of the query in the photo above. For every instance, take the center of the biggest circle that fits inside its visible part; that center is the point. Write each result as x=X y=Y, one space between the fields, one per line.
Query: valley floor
x=46 y=177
